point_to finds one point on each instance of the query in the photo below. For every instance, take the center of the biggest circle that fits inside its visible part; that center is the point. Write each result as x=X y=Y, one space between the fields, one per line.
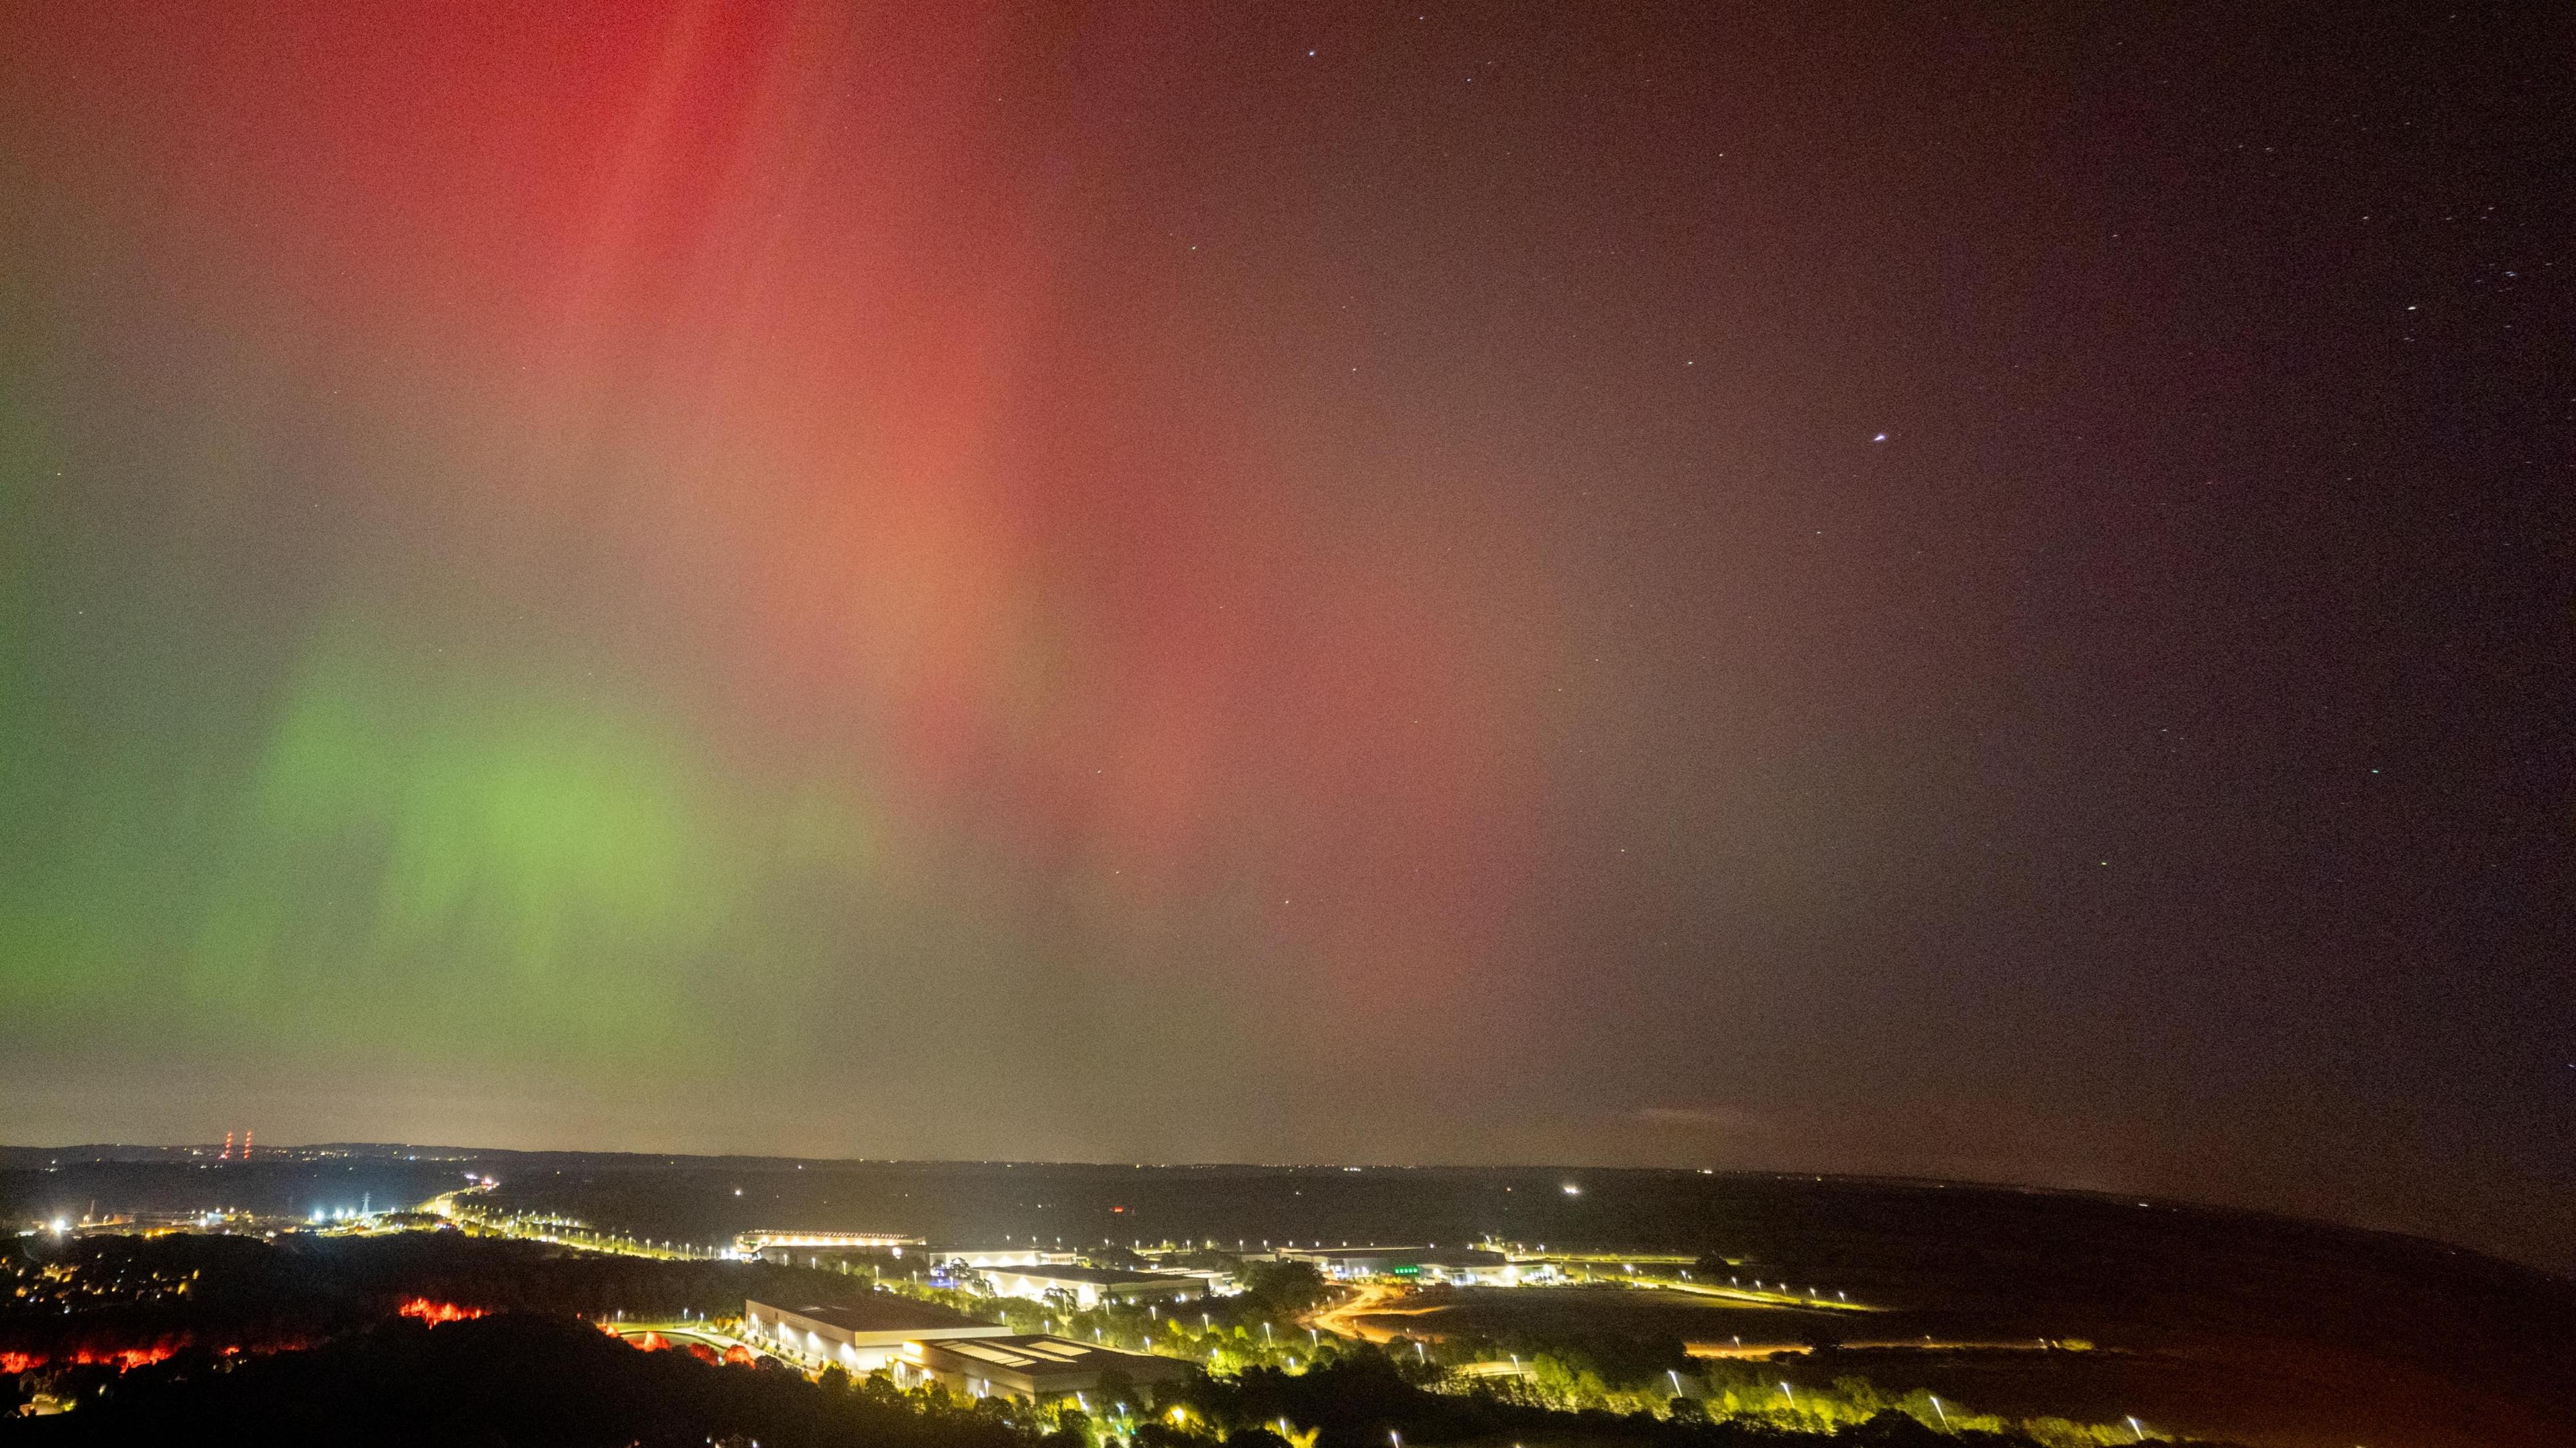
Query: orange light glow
x=123 y=1359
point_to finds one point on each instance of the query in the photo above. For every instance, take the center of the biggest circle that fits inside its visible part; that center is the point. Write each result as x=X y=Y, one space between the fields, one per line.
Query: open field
x=2279 y=1389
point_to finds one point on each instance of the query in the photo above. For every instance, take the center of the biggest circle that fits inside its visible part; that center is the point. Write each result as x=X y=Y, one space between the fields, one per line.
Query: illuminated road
x=559 y=1231
x=1756 y=1350
x=680 y=1335
x=1345 y=1317
x=1756 y=1297
x=1342 y=1319
x=1620 y=1269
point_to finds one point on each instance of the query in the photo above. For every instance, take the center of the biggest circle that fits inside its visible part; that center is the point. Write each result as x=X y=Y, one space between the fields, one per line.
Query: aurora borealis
x=1836 y=590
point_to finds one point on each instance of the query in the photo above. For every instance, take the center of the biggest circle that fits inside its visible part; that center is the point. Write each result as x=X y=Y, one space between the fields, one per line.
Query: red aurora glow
x=951 y=625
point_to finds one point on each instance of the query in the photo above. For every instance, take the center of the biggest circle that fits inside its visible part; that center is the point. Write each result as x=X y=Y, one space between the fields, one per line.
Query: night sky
x=1976 y=591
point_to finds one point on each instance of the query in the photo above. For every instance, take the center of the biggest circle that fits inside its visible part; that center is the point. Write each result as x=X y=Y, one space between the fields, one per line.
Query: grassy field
x=2286 y=1387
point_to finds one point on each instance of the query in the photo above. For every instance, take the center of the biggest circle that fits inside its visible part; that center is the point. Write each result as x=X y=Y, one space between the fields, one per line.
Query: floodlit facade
x=1033 y=1367
x=1091 y=1286
x=754 y=1243
x=861 y=1336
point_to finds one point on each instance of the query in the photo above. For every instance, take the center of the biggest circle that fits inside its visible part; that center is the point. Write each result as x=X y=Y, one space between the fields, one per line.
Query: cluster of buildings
x=1041 y=1274
x=918 y=1342
x=1030 y=1272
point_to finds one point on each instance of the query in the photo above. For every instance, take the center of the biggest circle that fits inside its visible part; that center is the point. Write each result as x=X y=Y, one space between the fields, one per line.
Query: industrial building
x=1456 y=1266
x=1092 y=1286
x=1035 y=1368
x=863 y=1335
x=777 y=1244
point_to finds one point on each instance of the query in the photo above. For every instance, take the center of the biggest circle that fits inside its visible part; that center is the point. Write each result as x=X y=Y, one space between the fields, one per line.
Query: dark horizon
x=15 y=1156
x=1854 y=589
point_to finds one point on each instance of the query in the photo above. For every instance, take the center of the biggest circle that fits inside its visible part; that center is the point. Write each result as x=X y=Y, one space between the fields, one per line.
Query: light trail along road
x=1369 y=1299
x=1347 y=1316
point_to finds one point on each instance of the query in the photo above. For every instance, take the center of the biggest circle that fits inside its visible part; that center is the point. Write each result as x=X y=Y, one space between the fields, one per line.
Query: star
x=1882 y=437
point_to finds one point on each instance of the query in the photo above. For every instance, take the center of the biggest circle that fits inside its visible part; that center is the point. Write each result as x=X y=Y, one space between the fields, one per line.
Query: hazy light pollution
x=1854 y=588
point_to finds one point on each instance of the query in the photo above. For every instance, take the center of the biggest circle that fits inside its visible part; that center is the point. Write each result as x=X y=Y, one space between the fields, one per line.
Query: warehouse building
x=860 y=1336
x=785 y=1246
x=1091 y=1286
x=1036 y=1368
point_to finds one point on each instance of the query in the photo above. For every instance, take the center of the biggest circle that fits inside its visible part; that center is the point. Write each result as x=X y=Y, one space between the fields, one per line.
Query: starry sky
x=1903 y=589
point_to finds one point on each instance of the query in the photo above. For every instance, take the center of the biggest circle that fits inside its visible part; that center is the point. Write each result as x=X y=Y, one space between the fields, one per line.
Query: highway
x=1346 y=1316
x=681 y=1335
x=563 y=1232
x=1758 y=1350
x=1369 y=1299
